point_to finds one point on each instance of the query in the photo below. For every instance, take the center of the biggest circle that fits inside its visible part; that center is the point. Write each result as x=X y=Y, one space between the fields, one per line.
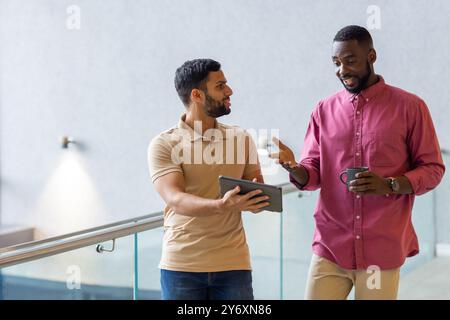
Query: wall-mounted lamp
x=65 y=141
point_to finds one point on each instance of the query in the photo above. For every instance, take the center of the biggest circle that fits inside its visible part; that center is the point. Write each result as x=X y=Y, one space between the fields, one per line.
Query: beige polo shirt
x=211 y=243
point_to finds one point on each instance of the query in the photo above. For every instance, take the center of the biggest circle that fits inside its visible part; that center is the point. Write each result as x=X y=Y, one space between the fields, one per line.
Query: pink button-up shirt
x=391 y=132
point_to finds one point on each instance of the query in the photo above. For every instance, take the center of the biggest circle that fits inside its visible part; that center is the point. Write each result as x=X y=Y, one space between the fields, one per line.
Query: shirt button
x=357 y=154
x=358 y=237
x=357 y=133
x=357 y=217
x=358 y=196
x=358 y=112
x=367 y=100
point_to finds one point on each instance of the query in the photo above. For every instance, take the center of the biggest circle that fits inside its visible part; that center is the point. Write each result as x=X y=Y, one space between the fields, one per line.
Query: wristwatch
x=393 y=184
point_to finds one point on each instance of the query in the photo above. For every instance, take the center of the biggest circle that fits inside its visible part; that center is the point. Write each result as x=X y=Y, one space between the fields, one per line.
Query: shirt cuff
x=313 y=178
x=416 y=181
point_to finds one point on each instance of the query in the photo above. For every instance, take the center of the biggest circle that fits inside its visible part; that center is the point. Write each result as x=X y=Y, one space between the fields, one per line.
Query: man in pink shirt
x=364 y=233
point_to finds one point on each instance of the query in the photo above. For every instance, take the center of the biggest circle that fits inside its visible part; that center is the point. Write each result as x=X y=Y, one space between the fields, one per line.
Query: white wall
x=110 y=85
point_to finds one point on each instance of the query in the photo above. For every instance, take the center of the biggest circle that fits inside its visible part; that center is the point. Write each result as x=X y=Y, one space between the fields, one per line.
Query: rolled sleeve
x=426 y=158
x=425 y=179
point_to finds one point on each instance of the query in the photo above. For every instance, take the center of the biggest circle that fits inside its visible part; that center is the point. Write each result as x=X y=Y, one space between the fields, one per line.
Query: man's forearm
x=194 y=206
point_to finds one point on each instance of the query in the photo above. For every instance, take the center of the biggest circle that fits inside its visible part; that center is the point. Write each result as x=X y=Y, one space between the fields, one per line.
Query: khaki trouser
x=327 y=281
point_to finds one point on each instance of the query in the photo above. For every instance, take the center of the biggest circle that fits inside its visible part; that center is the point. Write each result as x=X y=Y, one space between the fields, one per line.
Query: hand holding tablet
x=227 y=183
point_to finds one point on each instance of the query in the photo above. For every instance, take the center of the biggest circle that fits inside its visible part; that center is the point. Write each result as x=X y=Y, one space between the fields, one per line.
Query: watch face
x=395 y=185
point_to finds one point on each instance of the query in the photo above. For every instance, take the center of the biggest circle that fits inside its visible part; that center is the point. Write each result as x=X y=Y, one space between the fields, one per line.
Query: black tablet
x=276 y=200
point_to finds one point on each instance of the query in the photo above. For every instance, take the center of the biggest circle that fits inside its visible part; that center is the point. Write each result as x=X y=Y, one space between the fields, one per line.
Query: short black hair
x=354 y=32
x=192 y=75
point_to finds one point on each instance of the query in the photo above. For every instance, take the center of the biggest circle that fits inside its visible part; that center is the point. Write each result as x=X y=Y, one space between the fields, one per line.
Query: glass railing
x=263 y=238
x=99 y=263
x=149 y=253
x=280 y=246
x=78 y=274
x=442 y=205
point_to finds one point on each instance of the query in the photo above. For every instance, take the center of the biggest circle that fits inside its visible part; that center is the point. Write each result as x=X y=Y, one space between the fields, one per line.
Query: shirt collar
x=195 y=135
x=369 y=92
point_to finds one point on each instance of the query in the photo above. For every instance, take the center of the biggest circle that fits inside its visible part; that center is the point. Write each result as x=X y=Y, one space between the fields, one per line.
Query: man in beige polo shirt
x=205 y=253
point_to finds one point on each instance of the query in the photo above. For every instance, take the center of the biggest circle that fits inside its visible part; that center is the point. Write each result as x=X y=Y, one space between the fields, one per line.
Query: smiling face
x=217 y=95
x=354 y=64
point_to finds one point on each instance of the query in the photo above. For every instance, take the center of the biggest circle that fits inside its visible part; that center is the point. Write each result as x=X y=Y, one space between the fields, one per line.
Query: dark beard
x=214 y=108
x=361 y=80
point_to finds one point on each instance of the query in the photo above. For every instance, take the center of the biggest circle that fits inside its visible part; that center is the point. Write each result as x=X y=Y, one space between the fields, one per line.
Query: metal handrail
x=73 y=234
x=34 y=250
x=82 y=240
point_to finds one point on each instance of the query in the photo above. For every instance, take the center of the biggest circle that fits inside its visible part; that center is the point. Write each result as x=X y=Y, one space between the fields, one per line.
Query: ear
x=196 y=95
x=372 y=56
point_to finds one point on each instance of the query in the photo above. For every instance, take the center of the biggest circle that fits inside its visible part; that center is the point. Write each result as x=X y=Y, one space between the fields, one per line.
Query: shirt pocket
x=383 y=150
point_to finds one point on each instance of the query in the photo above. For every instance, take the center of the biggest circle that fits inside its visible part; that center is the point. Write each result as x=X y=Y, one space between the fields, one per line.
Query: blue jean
x=223 y=285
